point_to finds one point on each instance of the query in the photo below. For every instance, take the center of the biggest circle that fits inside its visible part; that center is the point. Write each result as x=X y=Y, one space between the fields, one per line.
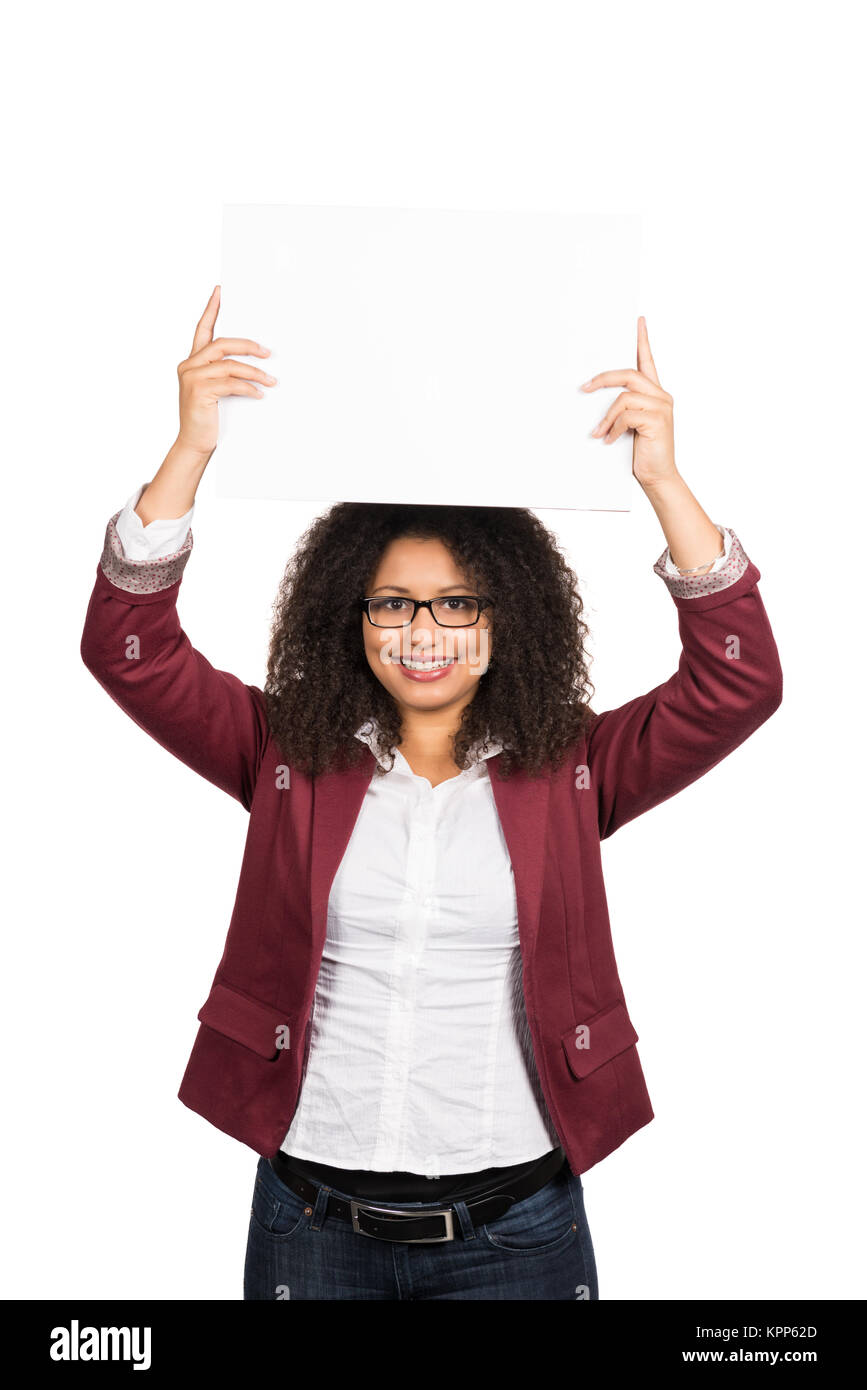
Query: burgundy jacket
x=241 y=1076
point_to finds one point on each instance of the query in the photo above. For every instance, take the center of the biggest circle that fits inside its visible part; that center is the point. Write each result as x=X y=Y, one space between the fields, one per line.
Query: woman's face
x=414 y=569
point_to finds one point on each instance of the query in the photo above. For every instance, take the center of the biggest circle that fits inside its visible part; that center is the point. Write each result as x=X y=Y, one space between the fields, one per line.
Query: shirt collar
x=368 y=733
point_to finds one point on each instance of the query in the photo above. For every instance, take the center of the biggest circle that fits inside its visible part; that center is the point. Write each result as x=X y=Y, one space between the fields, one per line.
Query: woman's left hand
x=645 y=408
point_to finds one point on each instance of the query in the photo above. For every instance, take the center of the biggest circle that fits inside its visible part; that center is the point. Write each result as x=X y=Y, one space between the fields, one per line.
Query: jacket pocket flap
x=258 y=1026
x=602 y=1036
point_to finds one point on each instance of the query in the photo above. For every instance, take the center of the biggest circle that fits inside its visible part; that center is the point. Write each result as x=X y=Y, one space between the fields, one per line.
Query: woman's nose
x=424 y=634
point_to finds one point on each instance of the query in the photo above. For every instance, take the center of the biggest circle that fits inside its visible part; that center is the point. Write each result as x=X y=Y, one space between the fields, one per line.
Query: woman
x=417 y=1021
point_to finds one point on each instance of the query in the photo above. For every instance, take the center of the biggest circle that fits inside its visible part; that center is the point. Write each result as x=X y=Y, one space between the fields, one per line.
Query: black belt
x=390 y=1223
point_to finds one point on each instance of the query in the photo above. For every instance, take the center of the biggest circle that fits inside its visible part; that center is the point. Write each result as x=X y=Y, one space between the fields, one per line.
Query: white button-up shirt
x=420 y=1056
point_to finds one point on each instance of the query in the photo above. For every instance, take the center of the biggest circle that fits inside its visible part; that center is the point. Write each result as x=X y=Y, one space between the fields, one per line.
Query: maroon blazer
x=241 y=1076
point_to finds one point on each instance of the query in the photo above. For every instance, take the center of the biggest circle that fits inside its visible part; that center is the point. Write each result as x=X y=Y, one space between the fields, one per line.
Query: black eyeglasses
x=455 y=610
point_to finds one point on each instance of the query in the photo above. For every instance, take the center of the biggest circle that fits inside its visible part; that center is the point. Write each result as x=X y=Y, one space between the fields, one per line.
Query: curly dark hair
x=319 y=689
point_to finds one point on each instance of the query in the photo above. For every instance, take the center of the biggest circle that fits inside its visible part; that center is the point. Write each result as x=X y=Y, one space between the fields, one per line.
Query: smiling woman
x=484 y=589
x=421 y=913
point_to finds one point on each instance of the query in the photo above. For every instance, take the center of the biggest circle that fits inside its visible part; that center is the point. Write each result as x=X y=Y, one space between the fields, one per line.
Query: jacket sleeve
x=134 y=645
x=728 y=682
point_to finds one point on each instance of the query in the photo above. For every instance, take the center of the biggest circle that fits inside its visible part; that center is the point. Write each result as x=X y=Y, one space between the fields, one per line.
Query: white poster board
x=428 y=355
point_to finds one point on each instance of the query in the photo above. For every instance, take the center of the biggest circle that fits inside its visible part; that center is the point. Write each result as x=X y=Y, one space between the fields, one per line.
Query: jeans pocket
x=280 y=1217
x=539 y=1223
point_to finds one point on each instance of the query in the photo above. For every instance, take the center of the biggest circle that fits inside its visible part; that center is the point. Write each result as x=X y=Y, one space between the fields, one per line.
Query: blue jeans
x=540 y=1249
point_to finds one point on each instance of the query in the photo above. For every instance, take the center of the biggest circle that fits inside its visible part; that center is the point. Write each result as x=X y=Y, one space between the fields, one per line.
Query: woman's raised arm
x=132 y=641
x=729 y=679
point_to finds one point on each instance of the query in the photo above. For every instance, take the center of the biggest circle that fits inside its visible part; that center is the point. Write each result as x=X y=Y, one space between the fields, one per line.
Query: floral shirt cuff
x=141 y=576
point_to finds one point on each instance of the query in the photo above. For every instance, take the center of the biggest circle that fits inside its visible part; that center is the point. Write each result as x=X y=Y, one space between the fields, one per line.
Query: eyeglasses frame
x=428 y=603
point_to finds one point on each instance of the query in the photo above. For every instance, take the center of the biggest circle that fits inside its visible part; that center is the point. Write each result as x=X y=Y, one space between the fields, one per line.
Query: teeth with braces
x=425 y=665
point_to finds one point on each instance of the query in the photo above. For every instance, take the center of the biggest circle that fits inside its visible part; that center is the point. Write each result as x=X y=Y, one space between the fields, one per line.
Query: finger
x=205 y=326
x=627 y=400
x=620 y=425
x=214 y=371
x=215 y=351
x=628 y=376
x=645 y=357
x=233 y=386
x=627 y=420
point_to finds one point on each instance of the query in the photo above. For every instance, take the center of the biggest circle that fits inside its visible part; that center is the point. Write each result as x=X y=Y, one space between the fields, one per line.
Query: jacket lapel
x=522 y=806
x=337 y=798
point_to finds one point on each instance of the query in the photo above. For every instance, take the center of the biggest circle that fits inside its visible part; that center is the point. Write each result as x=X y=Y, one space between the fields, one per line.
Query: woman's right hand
x=207 y=374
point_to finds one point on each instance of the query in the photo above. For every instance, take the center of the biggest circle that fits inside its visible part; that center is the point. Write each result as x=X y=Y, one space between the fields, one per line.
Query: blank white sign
x=428 y=355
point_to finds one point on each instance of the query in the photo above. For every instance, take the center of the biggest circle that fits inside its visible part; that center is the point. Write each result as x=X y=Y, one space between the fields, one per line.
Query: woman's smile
x=421 y=668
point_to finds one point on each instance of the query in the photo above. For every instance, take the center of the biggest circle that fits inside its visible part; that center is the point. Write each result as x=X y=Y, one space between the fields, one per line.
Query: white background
x=737 y=906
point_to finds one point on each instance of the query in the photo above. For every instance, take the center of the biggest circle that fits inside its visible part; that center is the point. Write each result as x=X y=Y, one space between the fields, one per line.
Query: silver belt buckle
x=393 y=1211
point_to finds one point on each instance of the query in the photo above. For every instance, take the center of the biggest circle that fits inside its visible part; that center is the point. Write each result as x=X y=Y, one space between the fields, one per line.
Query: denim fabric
x=540 y=1249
